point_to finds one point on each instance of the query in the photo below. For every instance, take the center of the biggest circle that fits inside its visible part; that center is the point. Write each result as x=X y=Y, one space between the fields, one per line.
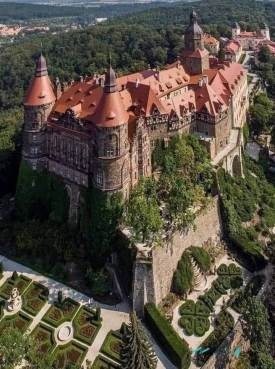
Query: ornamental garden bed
x=112 y=345
x=86 y=326
x=198 y=321
x=34 y=298
x=60 y=313
x=104 y=363
x=45 y=336
x=73 y=353
x=21 y=283
x=20 y=321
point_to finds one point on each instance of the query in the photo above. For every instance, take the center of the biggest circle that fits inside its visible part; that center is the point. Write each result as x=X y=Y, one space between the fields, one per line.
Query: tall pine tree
x=136 y=351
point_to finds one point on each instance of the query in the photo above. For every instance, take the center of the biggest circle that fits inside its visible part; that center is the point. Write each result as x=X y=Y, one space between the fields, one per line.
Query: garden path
x=113 y=316
x=195 y=341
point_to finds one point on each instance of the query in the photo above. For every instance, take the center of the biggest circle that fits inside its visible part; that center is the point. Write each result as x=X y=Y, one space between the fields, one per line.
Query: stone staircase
x=200 y=280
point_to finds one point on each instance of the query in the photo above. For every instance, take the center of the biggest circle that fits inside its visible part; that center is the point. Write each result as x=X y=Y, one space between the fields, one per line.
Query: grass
x=21 y=284
x=58 y=314
x=44 y=335
x=85 y=326
x=19 y=321
x=33 y=298
x=249 y=80
x=241 y=60
x=104 y=363
x=73 y=353
x=111 y=345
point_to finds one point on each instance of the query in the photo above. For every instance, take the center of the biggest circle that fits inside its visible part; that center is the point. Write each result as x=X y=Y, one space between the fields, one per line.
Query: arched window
x=99 y=177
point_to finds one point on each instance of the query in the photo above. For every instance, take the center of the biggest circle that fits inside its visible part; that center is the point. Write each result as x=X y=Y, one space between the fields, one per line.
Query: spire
x=41 y=67
x=193 y=17
x=110 y=80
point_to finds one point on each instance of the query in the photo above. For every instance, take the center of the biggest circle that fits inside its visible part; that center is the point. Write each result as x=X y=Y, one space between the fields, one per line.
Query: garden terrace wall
x=167 y=337
x=153 y=282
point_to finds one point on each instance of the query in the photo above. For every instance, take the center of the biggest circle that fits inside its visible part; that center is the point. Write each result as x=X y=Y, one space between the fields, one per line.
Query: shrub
x=202 y=257
x=183 y=275
x=222 y=269
x=123 y=329
x=219 y=287
x=225 y=323
x=251 y=233
x=252 y=251
x=233 y=269
x=14 y=276
x=236 y=281
x=45 y=292
x=98 y=314
x=1 y=267
x=187 y=323
x=207 y=300
x=99 y=280
x=202 y=309
x=188 y=308
x=59 y=297
x=168 y=339
x=224 y=280
x=201 y=325
x=213 y=295
x=57 y=269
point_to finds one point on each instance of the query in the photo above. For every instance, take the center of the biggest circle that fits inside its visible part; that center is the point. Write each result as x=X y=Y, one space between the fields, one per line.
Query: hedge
x=225 y=323
x=202 y=309
x=168 y=339
x=187 y=323
x=224 y=280
x=92 y=322
x=202 y=257
x=222 y=270
x=187 y=308
x=202 y=325
x=236 y=281
x=233 y=269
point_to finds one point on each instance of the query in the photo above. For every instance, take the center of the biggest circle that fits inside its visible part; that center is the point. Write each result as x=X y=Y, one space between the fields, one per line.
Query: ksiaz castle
x=107 y=127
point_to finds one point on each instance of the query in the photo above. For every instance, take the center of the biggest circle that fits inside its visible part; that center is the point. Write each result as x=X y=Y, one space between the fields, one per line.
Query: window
x=83 y=181
x=153 y=144
x=36 y=150
x=110 y=152
x=206 y=132
x=34 y=137
x=33 y=183
x=68 y=175
x=34 y=166
x=32 y=150
x=221 y=144
x=99 y=177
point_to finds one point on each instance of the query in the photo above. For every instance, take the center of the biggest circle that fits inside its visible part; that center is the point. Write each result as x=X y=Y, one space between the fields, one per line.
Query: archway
x=237 y=166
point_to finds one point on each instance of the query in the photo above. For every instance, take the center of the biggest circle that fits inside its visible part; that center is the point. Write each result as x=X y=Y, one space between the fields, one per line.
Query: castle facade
x=107 y=127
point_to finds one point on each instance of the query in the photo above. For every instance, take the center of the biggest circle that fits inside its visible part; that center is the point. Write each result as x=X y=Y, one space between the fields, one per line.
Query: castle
x=106 y=127
x=250 y=40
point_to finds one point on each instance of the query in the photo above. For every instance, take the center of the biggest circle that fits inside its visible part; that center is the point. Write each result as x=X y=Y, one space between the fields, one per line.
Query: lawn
x=112 y=345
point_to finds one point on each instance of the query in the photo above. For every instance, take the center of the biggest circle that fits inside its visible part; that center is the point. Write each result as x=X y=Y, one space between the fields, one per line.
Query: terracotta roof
x=232 y=47
x=207 y=97
x=208 y=39
x=194 y=54
x=140 y=76
x=250 y=34
x=40 y=91
x=268 y=43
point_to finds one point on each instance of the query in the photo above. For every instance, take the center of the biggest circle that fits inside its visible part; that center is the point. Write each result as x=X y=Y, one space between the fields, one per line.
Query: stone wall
x=154 y=268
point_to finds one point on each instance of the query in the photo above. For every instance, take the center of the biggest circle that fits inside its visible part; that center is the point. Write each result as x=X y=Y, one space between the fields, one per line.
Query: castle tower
x=194 y=56
x=236 y=30
x=111 y=171
x=38 y=102
x=265 y=31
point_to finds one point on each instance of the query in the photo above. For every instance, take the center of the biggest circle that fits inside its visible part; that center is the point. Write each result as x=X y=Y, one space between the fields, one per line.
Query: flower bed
x=20 y=321
x=86 y=326
x=21 y=284
x=187 y=308
x=73 y=353
x=45 y=336
x=57 y=315
x=34 y=298
x=112 y=340
x=103 y=363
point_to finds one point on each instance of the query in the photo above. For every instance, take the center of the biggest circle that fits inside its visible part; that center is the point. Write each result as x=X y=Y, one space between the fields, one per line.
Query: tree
x=36 y=357
x=136 y=351
x=264 y=54
x=221 y=54
x=12 y=348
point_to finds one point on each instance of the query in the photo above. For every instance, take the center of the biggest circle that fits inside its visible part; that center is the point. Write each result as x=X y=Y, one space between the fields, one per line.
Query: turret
x=38 y=102
x=111 y=139
x=265 y=31
x=193 y=36
x=236 y=30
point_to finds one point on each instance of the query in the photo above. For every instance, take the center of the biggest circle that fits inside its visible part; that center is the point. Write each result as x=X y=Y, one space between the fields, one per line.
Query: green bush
x=251 y=233
x=233 y=269
x=59 y=297
x=183 y=275
x=219 y=287
x=99 y=280
x=14 y=276
x=187 y=308
x=168 y=339
x=202 y=309
x=123 y=329
x=202 y=257
x=213 y=295
x=236 y=281
x=225 y=323
x=201 y=325
x=98 y=315
x=224 y=280
x=268 y=216
x=57 y=269
x=45 y=292
x=187 y=323
x=222 y=269
x=207 y=300
x=1 y=267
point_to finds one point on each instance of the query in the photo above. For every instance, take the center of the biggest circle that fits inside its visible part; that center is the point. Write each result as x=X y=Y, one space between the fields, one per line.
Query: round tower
x=193 y=36
x=236 y=30
x=111 y=172
x=265 y=31
x=38 y=102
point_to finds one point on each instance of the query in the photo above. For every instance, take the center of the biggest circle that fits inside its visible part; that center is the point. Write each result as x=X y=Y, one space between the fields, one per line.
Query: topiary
x=123 y=329
x=187 y=323
x=187 y=308
x=201 y=325
x=59 y=297
x=1 y=268
x=202 y=309
x=233 y=269
x=222 y=270
x=45 y=292
x=224 y=280
x=14 y=276
x=202 y=257
x=236 y=281
x=98 y=314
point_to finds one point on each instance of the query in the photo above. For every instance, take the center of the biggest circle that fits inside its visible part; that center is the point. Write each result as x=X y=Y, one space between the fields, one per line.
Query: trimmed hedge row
x=102 y=362
x=112 y=336
x=79 y=325
x=188 y=308
x=168 y=339
x=56 y=314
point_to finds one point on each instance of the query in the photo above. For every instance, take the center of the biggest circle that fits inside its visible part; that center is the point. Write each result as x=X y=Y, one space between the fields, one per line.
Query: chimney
x=200 y=82
x=137 y=83
x=158 y=76
x=81 y=79
x=64 y=86
x=57 y=88
x=101 y=81
x=148 y=66
x=123 y=86
x=205 y=79
x=72 y=82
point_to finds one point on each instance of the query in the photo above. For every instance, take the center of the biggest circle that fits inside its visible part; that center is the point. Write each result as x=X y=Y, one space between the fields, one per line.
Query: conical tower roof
x=40 y=91
x=111 y=111
x=193 y=27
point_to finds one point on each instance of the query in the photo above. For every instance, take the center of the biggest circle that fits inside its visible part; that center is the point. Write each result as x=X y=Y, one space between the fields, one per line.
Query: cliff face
x=153 y=273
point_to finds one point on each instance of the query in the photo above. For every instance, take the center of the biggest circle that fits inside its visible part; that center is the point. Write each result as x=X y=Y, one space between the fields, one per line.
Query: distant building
x=250 y=40
x=233 y=50
x=10 y=31
x=213 y=43
x=269 y=44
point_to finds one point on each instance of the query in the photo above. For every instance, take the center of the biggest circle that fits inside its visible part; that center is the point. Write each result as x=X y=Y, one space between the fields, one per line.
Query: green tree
x=264 y=54
x=136 y=351
x=12 y=348
x=36 y=357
